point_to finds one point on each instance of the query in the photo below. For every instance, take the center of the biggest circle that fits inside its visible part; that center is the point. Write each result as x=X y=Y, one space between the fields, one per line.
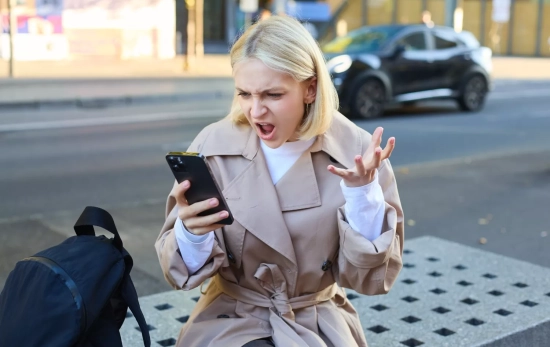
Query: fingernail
x=213 y=202
x=223 y=214
x=185 y=184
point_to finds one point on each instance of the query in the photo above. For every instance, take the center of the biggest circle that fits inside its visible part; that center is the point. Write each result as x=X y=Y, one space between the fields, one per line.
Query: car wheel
x=368 y=99
x=473 y=94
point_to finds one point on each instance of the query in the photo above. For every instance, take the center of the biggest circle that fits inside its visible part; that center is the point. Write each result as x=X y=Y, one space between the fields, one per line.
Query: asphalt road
x=461 y=177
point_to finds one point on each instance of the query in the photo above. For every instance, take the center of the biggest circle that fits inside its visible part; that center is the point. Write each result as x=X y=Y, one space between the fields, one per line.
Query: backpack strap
x=129 y=295
x=99 y=217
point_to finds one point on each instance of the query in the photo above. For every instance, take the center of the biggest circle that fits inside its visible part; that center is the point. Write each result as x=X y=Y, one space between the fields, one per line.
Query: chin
x=275 y=143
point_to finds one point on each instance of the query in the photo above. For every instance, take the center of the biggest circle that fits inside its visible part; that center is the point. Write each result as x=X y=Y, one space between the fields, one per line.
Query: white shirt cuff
x=194 y=249
x=365 y=208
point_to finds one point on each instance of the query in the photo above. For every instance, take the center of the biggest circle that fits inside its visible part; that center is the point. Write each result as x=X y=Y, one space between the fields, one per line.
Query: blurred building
x=132 y=29
x=84 y=29
x=509 y=27
x=223 y=19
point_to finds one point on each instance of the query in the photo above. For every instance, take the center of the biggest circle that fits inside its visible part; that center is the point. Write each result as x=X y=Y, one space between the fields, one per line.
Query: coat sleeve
x=371 y=267
x=169 y=254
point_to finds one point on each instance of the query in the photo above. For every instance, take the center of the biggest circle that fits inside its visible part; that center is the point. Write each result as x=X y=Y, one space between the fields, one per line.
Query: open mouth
x=266 y=130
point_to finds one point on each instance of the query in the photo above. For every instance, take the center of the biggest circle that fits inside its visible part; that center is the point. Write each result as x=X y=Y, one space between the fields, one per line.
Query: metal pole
x=539 y=26
x=511 y=27
x=482 y=22
x=450 y=7
x=364 y=12
x=424 y=5
x=190 y=56
x=394 y=12
x=12 y=29
x=200 y=29
x=230 y=21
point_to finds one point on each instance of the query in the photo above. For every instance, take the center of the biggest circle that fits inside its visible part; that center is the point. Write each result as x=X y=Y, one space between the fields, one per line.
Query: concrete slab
x=446 y=295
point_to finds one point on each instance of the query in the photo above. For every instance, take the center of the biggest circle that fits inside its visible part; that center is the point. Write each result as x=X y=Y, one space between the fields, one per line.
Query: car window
x=370 y=40
x=413 y=42
x=444 y=41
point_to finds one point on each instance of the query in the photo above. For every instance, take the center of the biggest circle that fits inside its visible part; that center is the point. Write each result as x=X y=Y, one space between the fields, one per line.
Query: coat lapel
x=255 y=205
x=298 y=189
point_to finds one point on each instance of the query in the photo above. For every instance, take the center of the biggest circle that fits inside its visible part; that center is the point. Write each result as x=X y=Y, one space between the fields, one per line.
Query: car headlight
x=339 y=64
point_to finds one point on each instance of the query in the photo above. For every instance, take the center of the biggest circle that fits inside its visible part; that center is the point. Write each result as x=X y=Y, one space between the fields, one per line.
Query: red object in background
x=41 y=25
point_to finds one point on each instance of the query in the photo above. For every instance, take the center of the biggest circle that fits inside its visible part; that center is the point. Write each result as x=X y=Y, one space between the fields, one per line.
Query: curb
x=102 y=102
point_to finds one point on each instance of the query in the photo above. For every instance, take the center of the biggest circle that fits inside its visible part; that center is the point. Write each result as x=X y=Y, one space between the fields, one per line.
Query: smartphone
x=194 y=168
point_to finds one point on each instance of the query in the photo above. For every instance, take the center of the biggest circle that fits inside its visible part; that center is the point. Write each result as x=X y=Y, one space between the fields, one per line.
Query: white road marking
x=73 y=123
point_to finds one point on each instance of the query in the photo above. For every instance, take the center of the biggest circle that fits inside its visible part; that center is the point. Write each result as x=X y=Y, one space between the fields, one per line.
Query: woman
x=314 y=199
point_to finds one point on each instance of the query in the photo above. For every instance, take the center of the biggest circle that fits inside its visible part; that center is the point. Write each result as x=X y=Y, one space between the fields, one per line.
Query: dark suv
x=374 y=66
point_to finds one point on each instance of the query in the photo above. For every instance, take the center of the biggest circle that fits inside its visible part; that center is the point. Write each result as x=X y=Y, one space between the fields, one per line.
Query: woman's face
x=272 y=101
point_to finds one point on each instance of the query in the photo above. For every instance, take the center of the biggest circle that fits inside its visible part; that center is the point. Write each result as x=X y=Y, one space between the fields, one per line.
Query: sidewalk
x=108 y=83
x=212 y=65
x=105 y=83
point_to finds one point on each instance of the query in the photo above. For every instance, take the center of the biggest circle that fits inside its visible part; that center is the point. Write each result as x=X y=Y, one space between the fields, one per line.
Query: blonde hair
x=283 y=44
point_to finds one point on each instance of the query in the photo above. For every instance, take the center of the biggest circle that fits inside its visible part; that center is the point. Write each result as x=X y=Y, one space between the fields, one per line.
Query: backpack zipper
x=53 y=266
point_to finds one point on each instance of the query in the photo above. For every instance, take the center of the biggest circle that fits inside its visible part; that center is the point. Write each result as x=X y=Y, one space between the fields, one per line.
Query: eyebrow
x=263 y=91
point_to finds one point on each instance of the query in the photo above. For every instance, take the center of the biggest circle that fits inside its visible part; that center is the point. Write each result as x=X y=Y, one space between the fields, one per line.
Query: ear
x=311 y=90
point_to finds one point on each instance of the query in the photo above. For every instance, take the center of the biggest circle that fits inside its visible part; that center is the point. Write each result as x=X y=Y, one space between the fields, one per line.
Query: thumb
x=180 y=193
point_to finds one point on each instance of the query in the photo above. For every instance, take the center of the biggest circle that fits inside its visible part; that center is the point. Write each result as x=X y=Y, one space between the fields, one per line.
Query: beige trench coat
x=279 y=269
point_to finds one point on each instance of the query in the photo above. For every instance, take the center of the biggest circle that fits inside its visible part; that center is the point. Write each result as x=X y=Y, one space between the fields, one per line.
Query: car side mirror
x=398 y=50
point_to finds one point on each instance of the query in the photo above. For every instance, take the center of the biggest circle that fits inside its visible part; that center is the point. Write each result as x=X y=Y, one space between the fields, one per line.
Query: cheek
x=289 y=110
x=245 y=108
x=242 y=104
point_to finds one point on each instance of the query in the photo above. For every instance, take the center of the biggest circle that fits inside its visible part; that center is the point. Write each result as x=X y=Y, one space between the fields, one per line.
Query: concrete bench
x=446 y=295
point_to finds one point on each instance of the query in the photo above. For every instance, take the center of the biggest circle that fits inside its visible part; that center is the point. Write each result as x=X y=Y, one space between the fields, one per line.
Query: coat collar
x=342 y=141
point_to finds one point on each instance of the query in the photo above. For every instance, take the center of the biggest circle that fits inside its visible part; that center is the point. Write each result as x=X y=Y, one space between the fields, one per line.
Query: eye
x=243 y=94
x=274 y=95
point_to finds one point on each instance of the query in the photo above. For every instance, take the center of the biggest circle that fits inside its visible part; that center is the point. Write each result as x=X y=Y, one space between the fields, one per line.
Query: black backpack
x=74 y=294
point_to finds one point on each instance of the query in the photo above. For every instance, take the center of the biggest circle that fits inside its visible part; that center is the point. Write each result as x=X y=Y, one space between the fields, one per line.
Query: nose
x=257 y=110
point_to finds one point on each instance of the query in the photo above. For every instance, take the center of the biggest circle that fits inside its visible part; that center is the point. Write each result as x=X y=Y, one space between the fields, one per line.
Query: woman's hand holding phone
x=188 y=213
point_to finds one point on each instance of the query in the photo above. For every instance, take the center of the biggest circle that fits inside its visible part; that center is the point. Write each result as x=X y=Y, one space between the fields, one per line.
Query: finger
x=390 y=145
x=339 y=172
x=180 y=193
x=377 y=157
x=360 y=165
x=377 y=136
x=198 y=207
x=375 y=141
x=207 y=222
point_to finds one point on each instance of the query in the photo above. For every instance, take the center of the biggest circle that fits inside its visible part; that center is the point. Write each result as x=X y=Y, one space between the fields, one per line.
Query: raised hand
x=365 y=166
